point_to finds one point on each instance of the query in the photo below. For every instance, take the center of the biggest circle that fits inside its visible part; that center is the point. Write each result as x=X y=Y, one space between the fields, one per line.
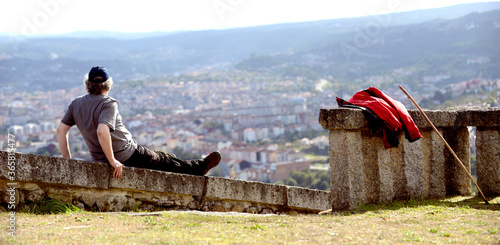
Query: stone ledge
x=350 y=119
x=90 y=185
x=302 y=198
x=238 y=190
x=52 y=170
x=158 y=181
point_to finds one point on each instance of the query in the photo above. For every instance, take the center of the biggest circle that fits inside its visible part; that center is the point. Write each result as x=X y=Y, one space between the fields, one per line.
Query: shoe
x=211 y=161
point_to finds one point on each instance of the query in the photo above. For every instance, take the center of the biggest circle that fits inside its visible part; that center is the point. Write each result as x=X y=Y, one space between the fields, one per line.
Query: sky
x=35 y=17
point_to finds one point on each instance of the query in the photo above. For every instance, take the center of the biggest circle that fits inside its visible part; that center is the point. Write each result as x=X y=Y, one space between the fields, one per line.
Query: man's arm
x=104 y=137
x=62 y=137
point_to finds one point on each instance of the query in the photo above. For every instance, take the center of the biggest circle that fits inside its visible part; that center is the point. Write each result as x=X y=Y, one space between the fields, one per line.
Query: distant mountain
x=109 y=34
x=461 y=48
x=430 y=42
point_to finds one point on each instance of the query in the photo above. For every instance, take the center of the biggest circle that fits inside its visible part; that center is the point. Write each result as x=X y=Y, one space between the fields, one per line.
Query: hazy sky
x=29 y=17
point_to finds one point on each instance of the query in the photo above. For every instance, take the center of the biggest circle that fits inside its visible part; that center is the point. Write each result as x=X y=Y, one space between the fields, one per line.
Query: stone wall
x=363 y=171
x=90 y=186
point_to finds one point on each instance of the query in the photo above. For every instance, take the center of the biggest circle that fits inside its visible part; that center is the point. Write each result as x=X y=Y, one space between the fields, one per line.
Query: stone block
x=488 y=160
x=54 y=170
x=372 y=144
x=303 y=198
x=111 y=202
x=457 y=179
x=385 y=173
x=347 y=171
x=342 y=118
x=32 y=192
x=438 y=118
x=257 y=192
x=400 y=182
x=347 y=118
x=479 y=117
x=61 y=194
x=158 y=181
x=413 y=167
x=433 y=162
x=88 y=197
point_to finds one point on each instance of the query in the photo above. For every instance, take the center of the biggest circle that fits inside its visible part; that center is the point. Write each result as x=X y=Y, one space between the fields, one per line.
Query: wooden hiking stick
x=448 y=146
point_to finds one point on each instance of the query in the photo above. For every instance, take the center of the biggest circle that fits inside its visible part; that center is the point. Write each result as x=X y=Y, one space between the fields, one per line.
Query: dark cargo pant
x=144 y=157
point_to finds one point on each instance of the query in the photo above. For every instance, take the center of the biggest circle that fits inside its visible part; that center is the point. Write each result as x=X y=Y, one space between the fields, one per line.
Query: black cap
x=98 y=74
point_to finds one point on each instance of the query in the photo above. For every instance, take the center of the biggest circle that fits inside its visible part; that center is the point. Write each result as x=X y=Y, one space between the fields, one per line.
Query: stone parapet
x=347 y=118
x=90 y=186
x=363 y=171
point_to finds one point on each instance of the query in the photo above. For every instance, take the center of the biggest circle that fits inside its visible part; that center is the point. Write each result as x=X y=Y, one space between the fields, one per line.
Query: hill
x=444 y=51
x=423 y=43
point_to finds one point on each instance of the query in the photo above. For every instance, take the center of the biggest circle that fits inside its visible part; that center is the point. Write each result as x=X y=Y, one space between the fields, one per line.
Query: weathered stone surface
x=457 y=179
x=245 y=191
x=413 y=168
x=342 y=118
x=79 y=205
x=488 y=160
x=426 y=167
x=266 y=211
x=252 y=210
x=78 y=182
x=479 y=117
x=422 y=169
x=7 y=195
x=346 y=164
x=64 y=194
x=386 y=175
x=371 y=146
x=347 y=118
x=32 y=192
x=438 y=118
x=88 y=197
x=215 y=206
x=36 y=168
x=111 y=202
x=237 y=208
x=151 y=180
x=397 y=163
x=433 y=161
x=308 y=199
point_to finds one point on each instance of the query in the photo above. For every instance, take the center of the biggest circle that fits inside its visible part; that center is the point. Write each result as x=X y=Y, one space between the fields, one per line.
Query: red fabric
x=393 y=112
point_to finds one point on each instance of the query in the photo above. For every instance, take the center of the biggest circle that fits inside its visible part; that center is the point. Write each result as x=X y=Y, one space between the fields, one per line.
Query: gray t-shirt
x=87 y=112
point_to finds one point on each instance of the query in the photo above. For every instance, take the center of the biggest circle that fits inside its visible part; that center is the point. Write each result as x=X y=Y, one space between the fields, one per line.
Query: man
x=96 y=116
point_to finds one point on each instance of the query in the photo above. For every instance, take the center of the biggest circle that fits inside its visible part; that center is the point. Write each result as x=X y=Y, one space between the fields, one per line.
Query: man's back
x=87 y=112
x=96 y=116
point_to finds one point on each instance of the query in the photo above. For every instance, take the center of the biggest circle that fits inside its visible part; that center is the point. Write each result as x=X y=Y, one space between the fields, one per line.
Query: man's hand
x=118 y=166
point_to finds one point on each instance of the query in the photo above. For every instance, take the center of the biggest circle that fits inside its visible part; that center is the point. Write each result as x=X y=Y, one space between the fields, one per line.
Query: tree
x=50 y=150
x=439 y=96
x=308 y=179
x=291 y=182
x=323 y=185
x=299 y=177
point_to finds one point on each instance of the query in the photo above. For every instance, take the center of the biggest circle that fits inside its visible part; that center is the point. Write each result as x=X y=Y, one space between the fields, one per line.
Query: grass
x=50 y=206
x=459 y=220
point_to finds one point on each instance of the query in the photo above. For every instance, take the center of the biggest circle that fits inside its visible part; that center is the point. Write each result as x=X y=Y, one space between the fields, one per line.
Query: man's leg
x=144 y=157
